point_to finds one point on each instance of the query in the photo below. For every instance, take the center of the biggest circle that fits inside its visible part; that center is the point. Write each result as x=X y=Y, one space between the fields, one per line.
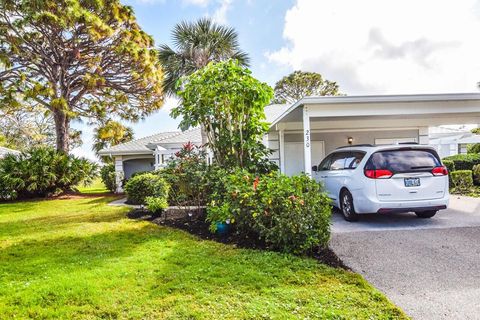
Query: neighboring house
x=4 y=151
x=451 y=141
x=149 y=153
x=315 y=126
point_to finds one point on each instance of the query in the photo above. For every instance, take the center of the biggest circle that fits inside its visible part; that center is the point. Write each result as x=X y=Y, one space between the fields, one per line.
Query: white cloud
x=201 y=3
x=377 y=46
x=220 y=14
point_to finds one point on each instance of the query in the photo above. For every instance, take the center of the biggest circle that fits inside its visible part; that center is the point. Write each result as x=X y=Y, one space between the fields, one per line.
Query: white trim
x=379 y=99
x=282 y=150
x=307 y=142
x=353 y=130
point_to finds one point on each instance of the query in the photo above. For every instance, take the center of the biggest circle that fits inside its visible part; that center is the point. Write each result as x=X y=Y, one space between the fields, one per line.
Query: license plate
x=412 y=182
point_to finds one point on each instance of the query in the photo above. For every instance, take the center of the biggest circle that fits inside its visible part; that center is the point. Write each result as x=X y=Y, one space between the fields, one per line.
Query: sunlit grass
x=83 y=259
x=95 y=187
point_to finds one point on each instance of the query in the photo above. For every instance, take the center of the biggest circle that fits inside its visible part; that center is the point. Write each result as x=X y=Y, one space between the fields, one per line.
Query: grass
x=95 y=187
x=82 y=259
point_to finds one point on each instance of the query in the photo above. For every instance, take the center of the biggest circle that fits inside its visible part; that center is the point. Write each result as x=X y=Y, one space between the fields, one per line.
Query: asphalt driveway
x=430 y=268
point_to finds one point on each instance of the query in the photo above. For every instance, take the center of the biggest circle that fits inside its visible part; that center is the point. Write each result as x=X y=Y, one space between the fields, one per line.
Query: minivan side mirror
x=314 y=168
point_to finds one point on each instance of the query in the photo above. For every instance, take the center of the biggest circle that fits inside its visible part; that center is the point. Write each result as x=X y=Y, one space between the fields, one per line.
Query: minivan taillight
x=440 y=171
x=378 y=174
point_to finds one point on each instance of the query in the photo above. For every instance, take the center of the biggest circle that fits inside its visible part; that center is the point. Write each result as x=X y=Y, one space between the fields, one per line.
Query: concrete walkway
x=430 y=268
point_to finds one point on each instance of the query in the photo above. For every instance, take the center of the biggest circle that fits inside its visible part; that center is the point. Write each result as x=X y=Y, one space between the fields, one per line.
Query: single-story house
x=451 y=141
x=303 y=133
x=306 y=131
x=4 y=151
x=149 y=153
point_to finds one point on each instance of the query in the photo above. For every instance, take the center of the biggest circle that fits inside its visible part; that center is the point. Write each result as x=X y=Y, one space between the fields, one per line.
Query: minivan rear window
x=404 y=160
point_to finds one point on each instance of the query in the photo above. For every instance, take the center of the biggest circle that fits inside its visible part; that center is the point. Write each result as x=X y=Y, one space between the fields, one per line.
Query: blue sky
x=368 y=46
x=258 y=23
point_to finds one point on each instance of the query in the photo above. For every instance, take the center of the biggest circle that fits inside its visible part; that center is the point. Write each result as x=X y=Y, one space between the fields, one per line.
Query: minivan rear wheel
x=426 y=214
x=346 y=206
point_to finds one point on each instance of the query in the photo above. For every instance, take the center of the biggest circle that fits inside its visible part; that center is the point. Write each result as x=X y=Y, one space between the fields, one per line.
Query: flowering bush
x=290 y=214
x=186 y=174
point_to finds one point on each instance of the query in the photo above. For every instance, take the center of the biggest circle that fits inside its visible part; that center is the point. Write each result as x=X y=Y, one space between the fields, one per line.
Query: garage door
x=294 y=156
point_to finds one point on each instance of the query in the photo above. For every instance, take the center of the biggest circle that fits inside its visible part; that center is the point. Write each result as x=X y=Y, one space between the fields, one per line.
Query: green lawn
x=95 y=187
x=82 y=259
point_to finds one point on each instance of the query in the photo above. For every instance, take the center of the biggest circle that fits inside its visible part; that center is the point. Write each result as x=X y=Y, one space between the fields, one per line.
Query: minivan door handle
x=323 y=176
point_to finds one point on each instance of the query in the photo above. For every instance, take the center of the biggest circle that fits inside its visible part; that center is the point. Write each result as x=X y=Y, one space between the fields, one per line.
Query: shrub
x=476 y=174
x=43 y=171
x=156 y=204
x=146 y=185
x=290 y=214
x=107 y=173
x=462 y=180
x=187 y=176
x=450 y=165
x=464 y=161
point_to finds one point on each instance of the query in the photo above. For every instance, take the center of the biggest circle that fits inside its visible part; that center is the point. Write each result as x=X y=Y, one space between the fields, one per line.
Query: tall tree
x=110 y=134
x=300 y=84
x=77 y=58
x=195 y=45
x=24 y=127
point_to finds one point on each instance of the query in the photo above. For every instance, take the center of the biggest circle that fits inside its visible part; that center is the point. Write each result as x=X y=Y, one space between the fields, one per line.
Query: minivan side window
x=353 y=159
x=338 y=161
x=325 y=164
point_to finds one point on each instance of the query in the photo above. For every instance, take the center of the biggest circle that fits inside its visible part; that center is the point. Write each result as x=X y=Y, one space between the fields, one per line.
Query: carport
x=303 y=133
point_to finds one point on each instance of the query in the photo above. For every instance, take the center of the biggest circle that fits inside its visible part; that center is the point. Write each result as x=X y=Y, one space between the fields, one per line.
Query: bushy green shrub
x=290 y=214
x=473 y=148
x=43 y=171
x=107 y=173
x=187 y=176
x=156 y=204
x=146 y=185
x=450 y=165
x=464 y=161
x=476 y=174
x=462 y=180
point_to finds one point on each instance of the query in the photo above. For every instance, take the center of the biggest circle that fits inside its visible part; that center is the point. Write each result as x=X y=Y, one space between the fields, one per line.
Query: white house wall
x=334 y=140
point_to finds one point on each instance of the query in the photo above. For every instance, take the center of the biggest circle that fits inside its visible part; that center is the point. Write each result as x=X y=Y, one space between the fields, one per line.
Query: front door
x=294 y=156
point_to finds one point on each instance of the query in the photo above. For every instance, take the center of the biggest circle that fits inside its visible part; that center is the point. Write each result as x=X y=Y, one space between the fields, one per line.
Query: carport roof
x=370 y=99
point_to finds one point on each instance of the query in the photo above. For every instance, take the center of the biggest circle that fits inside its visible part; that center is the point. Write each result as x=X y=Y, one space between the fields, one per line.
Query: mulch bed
x=194 y=223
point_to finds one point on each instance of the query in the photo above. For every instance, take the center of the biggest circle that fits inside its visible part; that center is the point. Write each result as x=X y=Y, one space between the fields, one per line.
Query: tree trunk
x=204 y=135
x=62 y=128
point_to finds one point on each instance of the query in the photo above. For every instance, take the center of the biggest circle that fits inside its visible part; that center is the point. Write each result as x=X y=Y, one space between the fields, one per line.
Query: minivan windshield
x=402 y=160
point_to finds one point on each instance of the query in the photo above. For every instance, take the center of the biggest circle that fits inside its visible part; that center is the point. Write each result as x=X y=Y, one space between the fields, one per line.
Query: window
x=338 y=161
x=404 y=160
x=325 y=164
x=353 y=159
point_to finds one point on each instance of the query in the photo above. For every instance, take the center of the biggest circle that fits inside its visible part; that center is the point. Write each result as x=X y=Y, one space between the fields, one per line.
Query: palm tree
x=195 y=45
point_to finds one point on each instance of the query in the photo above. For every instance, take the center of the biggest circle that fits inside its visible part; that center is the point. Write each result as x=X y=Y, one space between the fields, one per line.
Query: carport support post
x=306 y=142
x=119 y=174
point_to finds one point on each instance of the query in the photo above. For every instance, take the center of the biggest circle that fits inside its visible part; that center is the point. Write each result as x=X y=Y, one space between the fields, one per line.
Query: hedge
x=464 y=161
x=462 y=180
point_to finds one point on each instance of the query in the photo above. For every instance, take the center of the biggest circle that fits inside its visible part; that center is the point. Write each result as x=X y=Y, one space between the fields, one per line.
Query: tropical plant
x=78 y=59
x=110 y=134
x=229 y=103
x=142 y=186
x=196 y=44
x=300 y=84
x=43 y=171
x=290 y=214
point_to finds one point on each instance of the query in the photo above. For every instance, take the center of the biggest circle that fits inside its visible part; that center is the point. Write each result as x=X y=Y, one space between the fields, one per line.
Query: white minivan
x=385 y=179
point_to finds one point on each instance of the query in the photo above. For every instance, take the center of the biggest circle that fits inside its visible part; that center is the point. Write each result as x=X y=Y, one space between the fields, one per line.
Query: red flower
x=255 y=183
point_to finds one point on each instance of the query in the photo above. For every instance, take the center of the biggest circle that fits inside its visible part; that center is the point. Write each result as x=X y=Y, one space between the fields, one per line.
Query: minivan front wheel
x=426 y=214
x=346 y=205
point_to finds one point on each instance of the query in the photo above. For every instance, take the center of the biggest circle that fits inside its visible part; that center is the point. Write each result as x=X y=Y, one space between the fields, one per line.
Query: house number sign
x=307 y=138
